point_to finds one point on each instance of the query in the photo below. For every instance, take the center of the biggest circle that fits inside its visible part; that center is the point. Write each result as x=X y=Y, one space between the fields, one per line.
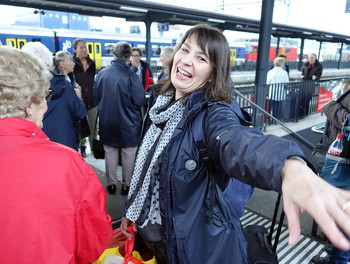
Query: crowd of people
x=173 y=202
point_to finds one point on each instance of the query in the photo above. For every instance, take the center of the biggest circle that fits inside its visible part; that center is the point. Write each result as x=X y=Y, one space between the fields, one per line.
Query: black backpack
x=259 y=246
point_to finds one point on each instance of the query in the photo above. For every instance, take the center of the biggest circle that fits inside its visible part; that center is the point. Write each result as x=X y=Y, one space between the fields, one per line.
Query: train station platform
x=259 y=210
x=248 y=77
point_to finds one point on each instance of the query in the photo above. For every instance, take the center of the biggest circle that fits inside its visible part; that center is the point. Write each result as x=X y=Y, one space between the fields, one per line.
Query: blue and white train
x=99 y=44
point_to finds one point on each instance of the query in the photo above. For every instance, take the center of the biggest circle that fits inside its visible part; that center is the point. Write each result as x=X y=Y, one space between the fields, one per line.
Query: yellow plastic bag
x=131 y=255
x=115 y=251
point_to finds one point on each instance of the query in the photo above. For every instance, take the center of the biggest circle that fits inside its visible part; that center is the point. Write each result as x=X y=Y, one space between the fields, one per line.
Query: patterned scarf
x=163 y=112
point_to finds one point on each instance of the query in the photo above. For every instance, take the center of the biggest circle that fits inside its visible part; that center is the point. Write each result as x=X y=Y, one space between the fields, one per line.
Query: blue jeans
x=336 y=174
x=338 y=256
x=339 y=177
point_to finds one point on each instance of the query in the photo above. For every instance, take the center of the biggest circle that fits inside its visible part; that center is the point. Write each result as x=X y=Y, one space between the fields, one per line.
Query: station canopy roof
x=142 y=11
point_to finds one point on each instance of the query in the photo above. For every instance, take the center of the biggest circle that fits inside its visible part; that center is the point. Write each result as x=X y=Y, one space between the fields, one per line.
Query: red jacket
x=52 y=205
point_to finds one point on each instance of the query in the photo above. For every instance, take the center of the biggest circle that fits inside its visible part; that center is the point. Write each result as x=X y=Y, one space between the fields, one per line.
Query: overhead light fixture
x=328 y=36
x=348 y=39
x=213 y=20
x=307 y=33
x=36 y=11
x=133 y=9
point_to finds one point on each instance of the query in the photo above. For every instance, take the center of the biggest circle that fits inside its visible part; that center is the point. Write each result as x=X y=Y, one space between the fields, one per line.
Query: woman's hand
x=77 y=86
x=304 y=191
x=78 y=93
x=124 y=227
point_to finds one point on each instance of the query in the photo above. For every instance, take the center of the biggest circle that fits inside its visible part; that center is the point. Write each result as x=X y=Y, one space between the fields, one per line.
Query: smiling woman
x=179 y=210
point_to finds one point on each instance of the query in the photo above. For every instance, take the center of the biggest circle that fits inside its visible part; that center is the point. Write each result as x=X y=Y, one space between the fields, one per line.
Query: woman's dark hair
x=214 y=44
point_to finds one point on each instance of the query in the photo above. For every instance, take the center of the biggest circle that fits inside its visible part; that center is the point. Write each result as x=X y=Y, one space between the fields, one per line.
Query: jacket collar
x=197 y=102
x=120 y=62
x=20 y=127
x=57 y=84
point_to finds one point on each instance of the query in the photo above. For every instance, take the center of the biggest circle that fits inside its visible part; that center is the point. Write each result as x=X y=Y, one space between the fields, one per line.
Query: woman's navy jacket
x=239 y=151
x=64 y=109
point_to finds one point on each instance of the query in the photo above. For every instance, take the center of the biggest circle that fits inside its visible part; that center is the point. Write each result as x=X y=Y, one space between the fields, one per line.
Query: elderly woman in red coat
x=52 y=205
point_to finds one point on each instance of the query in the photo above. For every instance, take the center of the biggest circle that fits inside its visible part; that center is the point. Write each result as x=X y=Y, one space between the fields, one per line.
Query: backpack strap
x=197 y=131
x=238 y=193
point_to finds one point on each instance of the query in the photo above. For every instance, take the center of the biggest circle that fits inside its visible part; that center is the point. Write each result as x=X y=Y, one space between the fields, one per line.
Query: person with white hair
x=66 y=106
x=51 y=202
x=40 y=50
x=277 y=77
x=165 y=57
x=312 y=69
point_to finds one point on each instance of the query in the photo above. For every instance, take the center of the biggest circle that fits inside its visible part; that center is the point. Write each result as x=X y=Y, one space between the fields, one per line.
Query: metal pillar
x=278 y=47
x=57 y=47
x=148 y=23
x=262 y=64
x=300 y=63
x=319 y=51
x=340 y=54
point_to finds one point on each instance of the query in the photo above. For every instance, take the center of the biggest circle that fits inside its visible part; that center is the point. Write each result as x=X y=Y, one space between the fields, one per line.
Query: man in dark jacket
x=141 y=68
x=84 y=73
x=312 y=69
x=120 y=96
x=311 y=72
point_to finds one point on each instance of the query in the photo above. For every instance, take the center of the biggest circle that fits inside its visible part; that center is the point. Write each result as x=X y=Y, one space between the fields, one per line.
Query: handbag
x=84 y=129
x=113 y=256
x=259 y=247
x=97 y=145
x=318 y=156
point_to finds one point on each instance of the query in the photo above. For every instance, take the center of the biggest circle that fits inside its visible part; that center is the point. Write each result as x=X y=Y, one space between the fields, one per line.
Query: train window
x=255 y=50
x=97 y=49
x=109 y=48
x=238 y=53
x=287 y=51
x=89 y=48
x=142 y=47
x=249 y=49
x=156 y=49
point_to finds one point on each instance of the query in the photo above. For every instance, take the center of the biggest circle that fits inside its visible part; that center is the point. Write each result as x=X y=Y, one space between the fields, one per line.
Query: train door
x=233 y=53
x=11 y=42
x=16 y=43
x=20 y=43
x=97 y=47
x=94 y=51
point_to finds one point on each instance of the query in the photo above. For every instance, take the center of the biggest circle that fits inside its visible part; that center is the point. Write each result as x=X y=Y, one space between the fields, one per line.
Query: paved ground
x=261 y=207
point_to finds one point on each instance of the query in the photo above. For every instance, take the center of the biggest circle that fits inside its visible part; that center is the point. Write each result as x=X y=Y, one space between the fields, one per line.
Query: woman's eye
x=202 y=59
x=184 y=49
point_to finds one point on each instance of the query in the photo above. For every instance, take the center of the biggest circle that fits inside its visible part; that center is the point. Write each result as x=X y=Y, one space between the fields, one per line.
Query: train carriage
x=99 y=44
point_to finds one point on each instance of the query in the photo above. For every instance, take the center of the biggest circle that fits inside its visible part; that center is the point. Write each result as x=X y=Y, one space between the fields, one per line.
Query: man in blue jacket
x=120 y=96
